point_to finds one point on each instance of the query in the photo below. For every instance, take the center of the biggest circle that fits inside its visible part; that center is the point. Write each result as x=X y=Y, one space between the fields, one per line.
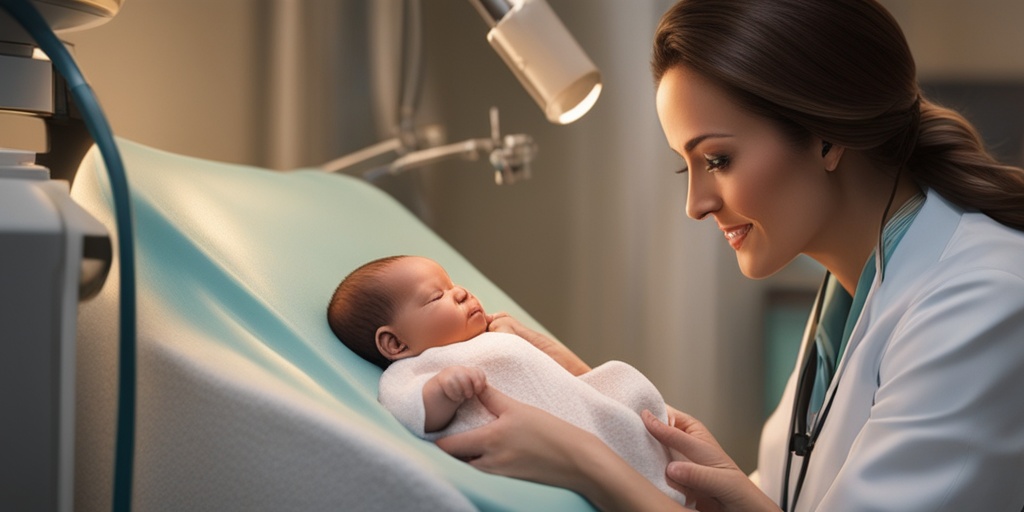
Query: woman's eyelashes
x=715 y=163
x=712 y=163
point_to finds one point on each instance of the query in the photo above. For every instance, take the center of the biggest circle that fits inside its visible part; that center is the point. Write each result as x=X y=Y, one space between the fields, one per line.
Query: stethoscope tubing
x=800 y=441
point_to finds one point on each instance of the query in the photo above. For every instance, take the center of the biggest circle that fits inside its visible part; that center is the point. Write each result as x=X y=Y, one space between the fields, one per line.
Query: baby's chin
x=478 y=323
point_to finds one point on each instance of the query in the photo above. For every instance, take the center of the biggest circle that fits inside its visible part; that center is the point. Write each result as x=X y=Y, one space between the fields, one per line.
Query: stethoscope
x=802 y=438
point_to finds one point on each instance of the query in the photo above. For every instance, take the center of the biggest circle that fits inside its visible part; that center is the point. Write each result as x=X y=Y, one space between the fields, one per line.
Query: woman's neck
x=859 y=221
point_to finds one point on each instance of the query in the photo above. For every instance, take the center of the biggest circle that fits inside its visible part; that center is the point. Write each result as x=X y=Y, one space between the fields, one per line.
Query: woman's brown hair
x=840 y=70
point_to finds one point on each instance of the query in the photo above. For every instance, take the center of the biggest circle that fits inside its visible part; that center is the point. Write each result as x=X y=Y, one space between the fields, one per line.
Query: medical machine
x=53 y=254
x=243 y=398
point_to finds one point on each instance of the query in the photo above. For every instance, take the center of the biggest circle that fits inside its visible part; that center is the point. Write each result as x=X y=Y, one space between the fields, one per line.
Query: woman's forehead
x=692 y=108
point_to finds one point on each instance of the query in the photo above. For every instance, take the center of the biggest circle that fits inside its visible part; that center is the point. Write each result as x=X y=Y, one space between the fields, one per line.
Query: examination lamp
x=543 y=55
x=539 y=50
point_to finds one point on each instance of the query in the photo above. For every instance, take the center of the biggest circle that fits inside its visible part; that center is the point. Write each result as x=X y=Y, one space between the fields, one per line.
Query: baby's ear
x=389 y=345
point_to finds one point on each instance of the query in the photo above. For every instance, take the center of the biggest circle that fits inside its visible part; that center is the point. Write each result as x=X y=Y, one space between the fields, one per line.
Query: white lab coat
x=929 y=408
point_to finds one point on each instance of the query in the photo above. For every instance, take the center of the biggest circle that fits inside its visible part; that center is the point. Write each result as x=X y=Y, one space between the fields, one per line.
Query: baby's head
x=399 y=306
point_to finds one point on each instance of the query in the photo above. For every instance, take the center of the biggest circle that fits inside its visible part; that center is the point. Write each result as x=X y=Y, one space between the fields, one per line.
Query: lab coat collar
x=921 y=247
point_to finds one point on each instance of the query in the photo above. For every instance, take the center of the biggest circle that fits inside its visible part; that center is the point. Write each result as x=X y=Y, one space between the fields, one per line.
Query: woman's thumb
x=706 y=480
x=494 y=400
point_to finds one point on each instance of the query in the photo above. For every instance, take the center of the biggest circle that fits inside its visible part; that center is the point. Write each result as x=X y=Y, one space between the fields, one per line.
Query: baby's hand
x=460 y=383
x=502 y=322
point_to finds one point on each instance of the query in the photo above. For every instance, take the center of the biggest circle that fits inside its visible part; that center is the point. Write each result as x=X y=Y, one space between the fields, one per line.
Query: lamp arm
x=366 y=154
x=470 y=149
x=510 y=156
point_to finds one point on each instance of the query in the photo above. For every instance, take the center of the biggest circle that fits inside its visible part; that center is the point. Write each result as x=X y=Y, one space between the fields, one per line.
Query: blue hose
x=99 y=129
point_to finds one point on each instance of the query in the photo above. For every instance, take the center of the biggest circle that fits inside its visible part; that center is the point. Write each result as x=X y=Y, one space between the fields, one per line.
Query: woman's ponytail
x=950 y=158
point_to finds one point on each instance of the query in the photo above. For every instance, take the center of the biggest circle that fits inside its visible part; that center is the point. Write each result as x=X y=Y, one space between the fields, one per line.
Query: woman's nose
x=702 y=197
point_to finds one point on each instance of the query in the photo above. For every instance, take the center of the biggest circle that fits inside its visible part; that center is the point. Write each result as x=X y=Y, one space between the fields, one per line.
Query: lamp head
x=546 y=59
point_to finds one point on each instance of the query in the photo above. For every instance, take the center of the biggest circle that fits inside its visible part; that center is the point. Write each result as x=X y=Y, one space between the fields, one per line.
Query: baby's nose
x=461 y=294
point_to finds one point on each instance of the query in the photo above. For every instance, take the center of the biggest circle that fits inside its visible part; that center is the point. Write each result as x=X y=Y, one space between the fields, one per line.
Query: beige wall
x=183 y=75
x=963 y=39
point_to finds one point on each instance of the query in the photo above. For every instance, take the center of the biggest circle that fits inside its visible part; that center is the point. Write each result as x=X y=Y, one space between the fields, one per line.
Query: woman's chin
x=754 y=269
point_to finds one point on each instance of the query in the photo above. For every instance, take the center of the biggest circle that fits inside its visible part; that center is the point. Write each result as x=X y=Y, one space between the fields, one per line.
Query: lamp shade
x=547 y=60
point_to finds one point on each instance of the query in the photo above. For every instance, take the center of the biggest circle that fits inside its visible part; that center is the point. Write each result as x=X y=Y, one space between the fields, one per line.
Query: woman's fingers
x=690 y=425
x=495 y=401
x=691 y=446
x=465 y=446
x=522 y=442
x=708 y=480
x=709 y=476
x=719 y=489
x=472 y=444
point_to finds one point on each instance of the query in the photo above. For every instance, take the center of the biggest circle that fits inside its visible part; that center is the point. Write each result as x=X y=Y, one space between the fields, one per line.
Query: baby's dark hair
x=360 y=306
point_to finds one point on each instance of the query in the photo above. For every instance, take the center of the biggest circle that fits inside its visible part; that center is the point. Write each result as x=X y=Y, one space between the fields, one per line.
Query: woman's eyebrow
x=692 y=143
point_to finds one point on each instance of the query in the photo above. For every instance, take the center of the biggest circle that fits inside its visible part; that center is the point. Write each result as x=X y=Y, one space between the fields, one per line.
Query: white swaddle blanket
x=606 y=401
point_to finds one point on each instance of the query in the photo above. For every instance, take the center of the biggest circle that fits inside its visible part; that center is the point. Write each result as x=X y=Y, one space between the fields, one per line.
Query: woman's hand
x=523 y=442
x=527 y=443
x=702 y=470
x=502 y=322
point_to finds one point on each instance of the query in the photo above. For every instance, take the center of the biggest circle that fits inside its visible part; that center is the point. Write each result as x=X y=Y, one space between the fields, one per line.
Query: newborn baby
x=431 y=337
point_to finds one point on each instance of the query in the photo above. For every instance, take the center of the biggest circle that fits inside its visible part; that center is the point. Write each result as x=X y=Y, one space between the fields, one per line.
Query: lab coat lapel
x=921 y=247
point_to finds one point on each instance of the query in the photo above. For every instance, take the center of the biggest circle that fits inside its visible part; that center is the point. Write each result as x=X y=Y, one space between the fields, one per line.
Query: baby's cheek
x=478 y=325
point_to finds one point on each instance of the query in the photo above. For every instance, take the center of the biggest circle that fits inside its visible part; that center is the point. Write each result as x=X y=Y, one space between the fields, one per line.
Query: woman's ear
x=831 y=154
x=389 y=345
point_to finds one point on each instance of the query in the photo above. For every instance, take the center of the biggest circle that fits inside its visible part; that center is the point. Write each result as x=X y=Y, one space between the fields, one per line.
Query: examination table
x=246 y=400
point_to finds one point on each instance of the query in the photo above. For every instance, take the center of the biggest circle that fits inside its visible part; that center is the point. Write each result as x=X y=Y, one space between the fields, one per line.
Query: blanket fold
x=606 y=401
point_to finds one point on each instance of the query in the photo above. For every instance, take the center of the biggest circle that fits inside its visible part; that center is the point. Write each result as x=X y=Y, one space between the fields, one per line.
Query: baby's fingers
x=467 y=385
x=479 y=382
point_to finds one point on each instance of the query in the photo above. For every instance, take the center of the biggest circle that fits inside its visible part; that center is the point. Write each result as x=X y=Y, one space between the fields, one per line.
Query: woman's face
x=770 y=197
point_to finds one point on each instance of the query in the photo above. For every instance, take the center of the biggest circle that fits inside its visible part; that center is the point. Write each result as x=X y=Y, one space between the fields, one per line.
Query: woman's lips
x=736 y=235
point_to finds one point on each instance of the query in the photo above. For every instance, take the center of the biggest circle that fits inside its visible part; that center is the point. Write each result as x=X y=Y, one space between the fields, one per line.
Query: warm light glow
x=582 y=107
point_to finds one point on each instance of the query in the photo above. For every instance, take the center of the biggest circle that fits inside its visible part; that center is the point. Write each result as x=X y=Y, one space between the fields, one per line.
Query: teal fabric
x=840 y=311
x=250 y=258
x=836 y=309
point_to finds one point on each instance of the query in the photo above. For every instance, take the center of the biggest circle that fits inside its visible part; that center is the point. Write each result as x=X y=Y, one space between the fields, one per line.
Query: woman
x=804 y=131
